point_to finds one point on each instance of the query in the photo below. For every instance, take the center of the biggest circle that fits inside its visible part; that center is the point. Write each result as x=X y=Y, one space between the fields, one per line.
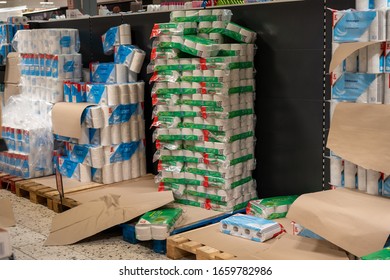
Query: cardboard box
x=5 y=244
x=7 y=218
x=12 y=69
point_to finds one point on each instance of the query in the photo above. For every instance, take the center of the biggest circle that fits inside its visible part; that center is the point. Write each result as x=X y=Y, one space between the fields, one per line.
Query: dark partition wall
x=290 y=64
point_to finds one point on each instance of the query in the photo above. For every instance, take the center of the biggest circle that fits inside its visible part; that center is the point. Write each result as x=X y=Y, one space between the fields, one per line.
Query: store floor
x=33 y=226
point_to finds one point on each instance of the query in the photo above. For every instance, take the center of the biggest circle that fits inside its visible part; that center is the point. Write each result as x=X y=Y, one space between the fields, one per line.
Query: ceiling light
x=3 y=2
x=46 y=3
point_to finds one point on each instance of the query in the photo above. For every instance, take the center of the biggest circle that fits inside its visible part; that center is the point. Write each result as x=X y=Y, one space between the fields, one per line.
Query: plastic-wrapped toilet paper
x=374 y=182
x=117 y=170
x=157 y=224
x=250 y=227
x=126 y=170
x=362 y=179
x=270 y=208
x=350 y=173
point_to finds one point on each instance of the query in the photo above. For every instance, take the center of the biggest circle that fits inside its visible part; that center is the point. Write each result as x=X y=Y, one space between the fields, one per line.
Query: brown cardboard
x=12 y=70
x=66 y=118
x=297 y=247
x=9 y=91
x=95 y=216
x=70 y=185
x=356 y=222
x=360 y=134
x=344 y=50
x=7 y=218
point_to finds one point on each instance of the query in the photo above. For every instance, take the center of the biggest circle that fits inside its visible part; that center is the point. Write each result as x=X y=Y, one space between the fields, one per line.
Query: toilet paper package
x=157 y=224
x=164 y=53
x=130 y=56
x=174 y=28
x=118 y=35
x=386 y=185
x=103 y=73
x=359 y=26
x=250 y=227
x=74 y=170
x=86 y=154
x=271 y=208
x=201 y=15
x=357 y=87
x=231 y=30
x=96 y=93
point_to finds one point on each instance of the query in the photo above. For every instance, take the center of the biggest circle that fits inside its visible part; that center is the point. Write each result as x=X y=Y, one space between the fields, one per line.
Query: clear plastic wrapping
x=29 y=140
x=48 y=41
x=174 y=28
x=201 y=15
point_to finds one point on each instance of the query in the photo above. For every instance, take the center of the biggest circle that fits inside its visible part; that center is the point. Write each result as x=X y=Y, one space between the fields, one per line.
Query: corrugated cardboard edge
x=356 y=222
x=95 y=216
x=66 y=118
x=7 y=218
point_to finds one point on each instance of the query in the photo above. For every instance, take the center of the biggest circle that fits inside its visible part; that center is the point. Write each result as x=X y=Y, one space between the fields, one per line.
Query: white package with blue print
x=250 y=227
x=359 y=26
x=130 y=56
x=115 y=36
x=70 y=169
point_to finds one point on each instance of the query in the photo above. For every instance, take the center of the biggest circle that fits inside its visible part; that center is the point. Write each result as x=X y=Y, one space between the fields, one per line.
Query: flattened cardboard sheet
x=66 y=118
x=356 y=222
x=7 y=218
x=360 y=133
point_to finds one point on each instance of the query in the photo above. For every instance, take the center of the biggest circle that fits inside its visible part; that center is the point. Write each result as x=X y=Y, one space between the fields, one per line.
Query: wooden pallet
x=40 y=194
x=8 y=181
x=179 y=247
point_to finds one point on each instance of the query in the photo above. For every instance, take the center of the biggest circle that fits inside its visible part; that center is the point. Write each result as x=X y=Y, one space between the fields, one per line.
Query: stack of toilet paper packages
x=48 y=58
x=383 y=254
x=204 y=111
x=363 y=77
x=250 y=227
x=111 y=147
x=7 y=32
x=271 y=207
x=29 y=140
x=157 y=224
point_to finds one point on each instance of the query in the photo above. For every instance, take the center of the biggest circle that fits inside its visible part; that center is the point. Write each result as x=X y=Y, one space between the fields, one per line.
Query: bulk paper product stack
x=271 y=207
x=363 y=77
x=203 y=97
x=48 y=57
x=113 y=146
x=7 y=32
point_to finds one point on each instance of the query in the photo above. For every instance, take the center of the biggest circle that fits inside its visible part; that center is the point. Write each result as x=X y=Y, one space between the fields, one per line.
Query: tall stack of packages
x=112 y=146
x=203 y=97
x=47 y=58
x=7 y=32
x=363 y=77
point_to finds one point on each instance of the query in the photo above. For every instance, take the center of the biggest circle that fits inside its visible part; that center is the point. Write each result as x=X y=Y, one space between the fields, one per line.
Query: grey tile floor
x=33 y=226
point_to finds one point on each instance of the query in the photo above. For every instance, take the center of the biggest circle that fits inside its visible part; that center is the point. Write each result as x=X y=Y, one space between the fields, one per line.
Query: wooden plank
x=224 y=256
x=173 y=251
x=191 y=246
x=206 y=253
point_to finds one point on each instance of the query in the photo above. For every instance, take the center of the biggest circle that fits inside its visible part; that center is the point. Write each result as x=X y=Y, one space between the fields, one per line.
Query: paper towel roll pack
x=250 y=227
x=174 y=28
x=271 y=208
x=200 y=16
x=157 y=224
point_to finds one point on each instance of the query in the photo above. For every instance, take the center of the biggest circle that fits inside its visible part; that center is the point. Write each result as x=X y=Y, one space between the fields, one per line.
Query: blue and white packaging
x=250 y=227
x=386 y=185
x=115 y=36
x=70 y=169
x=359 y=26
x=96 y=93
x=356 y=87
x=103 y=73
x=86 y=154
x=376 y=58
x=130 y=56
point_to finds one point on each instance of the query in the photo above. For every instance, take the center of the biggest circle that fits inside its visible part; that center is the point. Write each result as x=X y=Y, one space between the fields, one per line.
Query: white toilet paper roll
x=374 y=58
x=379 y=4
x=85 y=173
x=141 y=91
x=141 y=128
x=126 y=170
x=105 y=136
x=133 y=91
x=121 y=73
x=350 y=170
x=108 y=174
x=97 y=116
x=125 y=132
x=84 y=138
x=362 y=179
x=113 y=95
x=362 y=5
x=125 y=34
x=233 y=27
x=97 y=156
x=362 y=60
x=387 y=89
x=134 y=130
x=143 y=232
x=376 y=90
x=124 y=94
x=137 y=61
x=142 y=164
x=135 y=166
x=373 y=178
x=117 y=172
x=336 y=168
x=116 y=134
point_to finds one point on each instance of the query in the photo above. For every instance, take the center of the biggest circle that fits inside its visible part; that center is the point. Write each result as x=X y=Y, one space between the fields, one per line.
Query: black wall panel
x=290 y=85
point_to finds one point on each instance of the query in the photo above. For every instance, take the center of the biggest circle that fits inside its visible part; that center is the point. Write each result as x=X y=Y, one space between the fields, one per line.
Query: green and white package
x=383 y=254
x=157 y=224
x=201 y=15
x=172 y=28
x=272 y=207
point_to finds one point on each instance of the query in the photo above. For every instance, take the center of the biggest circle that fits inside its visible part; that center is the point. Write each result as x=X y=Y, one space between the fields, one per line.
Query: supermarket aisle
x=33 y=226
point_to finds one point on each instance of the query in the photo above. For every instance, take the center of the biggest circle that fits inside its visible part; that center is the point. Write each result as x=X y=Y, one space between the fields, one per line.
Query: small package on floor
x=157 y=224
x=251 y=227
x=270 y=208
x=383 y=254
x=5 y=245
